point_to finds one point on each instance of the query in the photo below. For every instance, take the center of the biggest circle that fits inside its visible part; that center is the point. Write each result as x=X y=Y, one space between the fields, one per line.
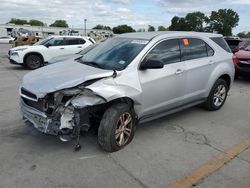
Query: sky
x=136 y=13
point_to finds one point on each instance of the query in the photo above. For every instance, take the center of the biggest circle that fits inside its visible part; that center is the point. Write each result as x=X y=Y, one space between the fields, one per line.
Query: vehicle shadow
x=245 y=79
x=18 y=68
x=32 y=140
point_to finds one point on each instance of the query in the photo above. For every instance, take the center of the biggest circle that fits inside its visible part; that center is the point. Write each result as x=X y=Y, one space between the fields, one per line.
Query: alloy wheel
x=124 y=129
x=219 y=95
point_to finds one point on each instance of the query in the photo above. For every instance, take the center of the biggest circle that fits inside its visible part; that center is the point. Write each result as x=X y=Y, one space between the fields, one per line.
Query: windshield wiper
x=89 y=63
x=93 y=63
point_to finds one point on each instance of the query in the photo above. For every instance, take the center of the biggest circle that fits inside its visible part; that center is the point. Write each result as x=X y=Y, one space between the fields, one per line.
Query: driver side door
x=163 y=89
x=56 y=47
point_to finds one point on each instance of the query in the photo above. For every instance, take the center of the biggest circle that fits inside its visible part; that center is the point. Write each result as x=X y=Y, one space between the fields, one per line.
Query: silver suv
x=129 y=79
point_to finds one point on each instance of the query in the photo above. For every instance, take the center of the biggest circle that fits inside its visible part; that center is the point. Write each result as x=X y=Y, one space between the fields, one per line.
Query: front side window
x=193 y=49
x=56 y=42
x=167 y=52
x=51 y=42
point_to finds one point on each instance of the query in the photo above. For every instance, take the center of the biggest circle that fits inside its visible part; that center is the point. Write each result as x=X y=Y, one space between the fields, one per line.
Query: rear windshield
x=222 y=43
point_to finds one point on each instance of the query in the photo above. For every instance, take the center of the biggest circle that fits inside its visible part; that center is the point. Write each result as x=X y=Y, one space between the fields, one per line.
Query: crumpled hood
x=61 y=76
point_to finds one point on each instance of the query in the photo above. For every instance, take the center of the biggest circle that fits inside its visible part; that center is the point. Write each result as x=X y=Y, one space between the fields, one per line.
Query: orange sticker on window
x=185 y=42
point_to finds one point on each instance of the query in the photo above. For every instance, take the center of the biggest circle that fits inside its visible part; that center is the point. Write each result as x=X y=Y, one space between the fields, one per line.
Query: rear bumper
x=38 y=119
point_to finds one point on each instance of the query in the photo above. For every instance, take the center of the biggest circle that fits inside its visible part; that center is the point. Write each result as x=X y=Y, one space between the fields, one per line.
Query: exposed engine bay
x=64 y=113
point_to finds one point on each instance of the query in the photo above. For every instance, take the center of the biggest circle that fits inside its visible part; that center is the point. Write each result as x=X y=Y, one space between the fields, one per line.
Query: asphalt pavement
x=162 y=152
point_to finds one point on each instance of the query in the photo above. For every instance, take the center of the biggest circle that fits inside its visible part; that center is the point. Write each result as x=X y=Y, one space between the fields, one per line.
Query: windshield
x=114 y=54
x=245 y=46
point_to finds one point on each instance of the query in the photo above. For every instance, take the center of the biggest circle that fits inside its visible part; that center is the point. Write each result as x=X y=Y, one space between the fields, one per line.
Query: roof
x=151 y=35
x=70 y=36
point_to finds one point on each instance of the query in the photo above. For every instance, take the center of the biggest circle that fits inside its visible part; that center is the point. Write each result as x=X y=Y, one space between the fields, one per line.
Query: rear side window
x=194 y=49
x=167 y=52
x=222 y=43
x=82 y=41
x=74 y=41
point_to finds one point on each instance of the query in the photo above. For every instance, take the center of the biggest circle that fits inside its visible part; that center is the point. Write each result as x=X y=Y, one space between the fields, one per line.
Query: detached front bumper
x=39 y=120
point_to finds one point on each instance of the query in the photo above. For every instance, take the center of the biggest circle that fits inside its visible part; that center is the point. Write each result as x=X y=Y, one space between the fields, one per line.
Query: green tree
x=151 y=28
x=223 y=21
x=102 y=27
x=141 y=30
x=162 y=28
x=123 y=29
x=178 y=24
x=59 y=23
x=244 y=34
x=18 y=21
x=36 y=22
x=195 y=21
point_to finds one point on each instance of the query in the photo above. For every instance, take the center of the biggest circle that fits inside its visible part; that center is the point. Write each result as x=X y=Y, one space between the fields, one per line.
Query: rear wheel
x=33 y=61
x=117 y=127
x=217 y=96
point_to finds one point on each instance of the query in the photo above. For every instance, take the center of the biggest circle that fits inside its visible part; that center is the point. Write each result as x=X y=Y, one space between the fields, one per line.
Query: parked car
x=233 y=43
x=129 y=79
x=41 y=52
x=6 y=40
x=62 y=58
x=242 y=59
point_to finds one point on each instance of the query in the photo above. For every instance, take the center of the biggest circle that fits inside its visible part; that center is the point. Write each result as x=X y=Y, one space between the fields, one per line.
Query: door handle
x=211 y=62
x=79 y=47
x=179 y=71
x=61 y=48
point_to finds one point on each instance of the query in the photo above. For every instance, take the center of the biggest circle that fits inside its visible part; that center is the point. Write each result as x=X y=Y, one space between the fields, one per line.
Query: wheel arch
x=227 y=78
x=126 y=100
x=33 y=53
x=224 y=71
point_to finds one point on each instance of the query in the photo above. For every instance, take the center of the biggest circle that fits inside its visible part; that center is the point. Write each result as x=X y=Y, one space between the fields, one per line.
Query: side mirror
x=151 y=64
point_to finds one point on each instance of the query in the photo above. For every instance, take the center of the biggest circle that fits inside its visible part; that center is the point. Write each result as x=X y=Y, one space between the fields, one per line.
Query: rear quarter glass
x=222 y=43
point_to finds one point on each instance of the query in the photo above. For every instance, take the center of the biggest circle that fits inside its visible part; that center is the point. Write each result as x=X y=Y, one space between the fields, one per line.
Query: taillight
x=235 y=59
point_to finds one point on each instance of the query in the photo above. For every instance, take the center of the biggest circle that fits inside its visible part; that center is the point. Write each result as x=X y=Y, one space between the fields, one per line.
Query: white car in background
x=6 y=40
x=41 y=52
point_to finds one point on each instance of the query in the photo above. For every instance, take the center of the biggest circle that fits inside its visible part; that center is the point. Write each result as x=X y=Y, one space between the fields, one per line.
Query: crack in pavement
x=128 y=172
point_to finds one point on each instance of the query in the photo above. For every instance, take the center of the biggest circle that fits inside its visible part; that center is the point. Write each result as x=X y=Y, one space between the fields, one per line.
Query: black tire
x=33 y=61
x=236 y=76
x=213 y=103
x=110 y=125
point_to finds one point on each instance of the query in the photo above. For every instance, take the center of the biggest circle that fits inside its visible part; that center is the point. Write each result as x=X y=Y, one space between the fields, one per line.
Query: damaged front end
x=64 y=113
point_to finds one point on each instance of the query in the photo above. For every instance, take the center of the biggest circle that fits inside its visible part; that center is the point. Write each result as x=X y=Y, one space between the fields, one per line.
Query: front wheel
x=117 y=127
x=217 y=96
x=33 y=62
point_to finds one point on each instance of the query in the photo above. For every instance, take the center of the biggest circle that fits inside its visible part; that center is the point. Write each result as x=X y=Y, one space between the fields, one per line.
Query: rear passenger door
x=199 y=62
